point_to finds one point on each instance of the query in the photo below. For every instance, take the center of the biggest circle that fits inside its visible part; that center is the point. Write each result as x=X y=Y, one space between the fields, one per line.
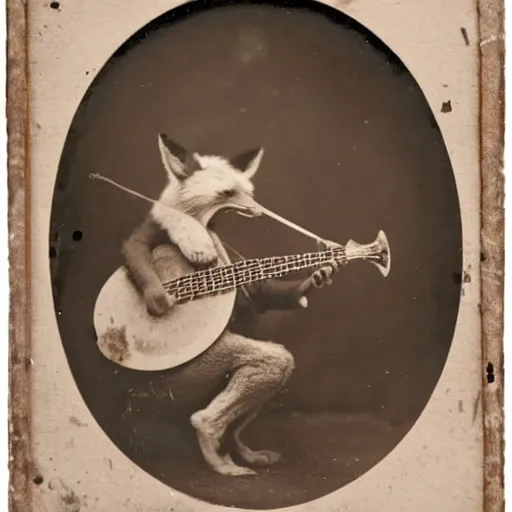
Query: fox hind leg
x=256 y=457
x=261 y=369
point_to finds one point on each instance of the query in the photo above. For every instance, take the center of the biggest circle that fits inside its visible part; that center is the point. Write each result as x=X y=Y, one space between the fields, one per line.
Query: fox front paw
x=158 y=302
x=323 y=276
x=198 y=250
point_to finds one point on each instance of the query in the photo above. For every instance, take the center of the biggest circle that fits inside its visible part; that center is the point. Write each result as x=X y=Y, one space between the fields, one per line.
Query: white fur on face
x=202 y=191
x=220 y=175
x=201 y=194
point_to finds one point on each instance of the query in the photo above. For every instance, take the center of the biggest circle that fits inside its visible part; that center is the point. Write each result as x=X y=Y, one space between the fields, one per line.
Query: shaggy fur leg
x=262 y=371
x=256 y=457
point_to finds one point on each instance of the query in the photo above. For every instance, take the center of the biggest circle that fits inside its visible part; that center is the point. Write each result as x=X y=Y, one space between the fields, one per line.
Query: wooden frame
x=492 y=250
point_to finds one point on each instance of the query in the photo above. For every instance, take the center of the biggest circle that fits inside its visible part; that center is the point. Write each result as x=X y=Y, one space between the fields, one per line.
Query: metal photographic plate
x=256 y=255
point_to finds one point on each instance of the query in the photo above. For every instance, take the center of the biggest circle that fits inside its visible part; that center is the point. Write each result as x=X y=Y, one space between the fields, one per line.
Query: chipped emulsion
x=68 y=497
x=151 y=347
x=114 y=344
x=75 y=421
x=446 y=107
x=464 y=33
x=476 y=406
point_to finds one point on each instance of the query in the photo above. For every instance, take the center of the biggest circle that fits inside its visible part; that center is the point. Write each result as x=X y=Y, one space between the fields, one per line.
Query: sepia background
x=351 y=147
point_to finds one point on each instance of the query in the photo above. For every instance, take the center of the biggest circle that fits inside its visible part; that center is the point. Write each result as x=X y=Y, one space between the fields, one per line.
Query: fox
x=198 y=187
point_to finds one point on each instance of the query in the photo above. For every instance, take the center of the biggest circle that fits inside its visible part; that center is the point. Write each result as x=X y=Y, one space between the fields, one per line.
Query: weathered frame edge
x=19 y=262
x=492 y=256
x=492 y=49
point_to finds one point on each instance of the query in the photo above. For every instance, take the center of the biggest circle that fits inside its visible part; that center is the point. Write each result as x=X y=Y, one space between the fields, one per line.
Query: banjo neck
x=227 y=277
x=234 y=275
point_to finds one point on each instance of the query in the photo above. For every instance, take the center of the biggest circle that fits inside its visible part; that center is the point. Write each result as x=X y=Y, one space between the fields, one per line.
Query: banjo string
x=266 y=211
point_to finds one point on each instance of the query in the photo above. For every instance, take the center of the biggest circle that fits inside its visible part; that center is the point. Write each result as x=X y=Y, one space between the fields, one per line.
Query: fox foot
x=229 y=468
x=259 y=458
x=209 y=443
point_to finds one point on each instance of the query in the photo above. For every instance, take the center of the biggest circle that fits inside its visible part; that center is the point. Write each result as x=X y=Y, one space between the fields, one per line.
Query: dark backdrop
x=351 y=147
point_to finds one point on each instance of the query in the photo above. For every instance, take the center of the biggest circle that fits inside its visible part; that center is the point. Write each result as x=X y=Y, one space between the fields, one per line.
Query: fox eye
x=230 y=192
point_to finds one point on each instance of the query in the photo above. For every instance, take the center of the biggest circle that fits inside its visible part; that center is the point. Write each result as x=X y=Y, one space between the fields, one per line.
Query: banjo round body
x=129 y=336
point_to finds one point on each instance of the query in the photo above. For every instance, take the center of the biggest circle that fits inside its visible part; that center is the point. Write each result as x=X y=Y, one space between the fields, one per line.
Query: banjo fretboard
x=227 y=277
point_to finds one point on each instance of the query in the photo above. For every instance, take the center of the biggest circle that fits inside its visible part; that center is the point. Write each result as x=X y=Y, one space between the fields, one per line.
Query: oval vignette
x=351 y=147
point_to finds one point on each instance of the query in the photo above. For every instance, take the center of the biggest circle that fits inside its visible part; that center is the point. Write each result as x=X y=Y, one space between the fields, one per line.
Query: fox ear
x=178 y=162
x=248 y=162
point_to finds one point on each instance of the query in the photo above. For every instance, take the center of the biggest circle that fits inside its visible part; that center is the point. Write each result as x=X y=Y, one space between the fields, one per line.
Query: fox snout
x=246 y=205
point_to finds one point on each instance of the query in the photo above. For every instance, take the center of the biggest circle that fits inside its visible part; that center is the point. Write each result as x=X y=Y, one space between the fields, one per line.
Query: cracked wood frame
x=492 y=250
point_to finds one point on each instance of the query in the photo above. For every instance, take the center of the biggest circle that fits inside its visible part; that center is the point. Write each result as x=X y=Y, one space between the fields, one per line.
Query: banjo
x=203 y=299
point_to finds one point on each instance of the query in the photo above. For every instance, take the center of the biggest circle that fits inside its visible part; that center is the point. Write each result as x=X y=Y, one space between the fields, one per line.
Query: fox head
x=202 y=185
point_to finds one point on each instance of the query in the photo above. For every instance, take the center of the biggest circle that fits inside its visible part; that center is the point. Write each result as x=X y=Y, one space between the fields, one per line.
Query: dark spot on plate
x=75 y=421
x=490 y=373
x=464 y=33
x=38 y=480
x=446 y=107
x=77 y=236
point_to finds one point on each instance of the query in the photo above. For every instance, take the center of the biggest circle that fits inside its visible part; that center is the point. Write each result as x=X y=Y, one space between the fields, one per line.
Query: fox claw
x=323 y=276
